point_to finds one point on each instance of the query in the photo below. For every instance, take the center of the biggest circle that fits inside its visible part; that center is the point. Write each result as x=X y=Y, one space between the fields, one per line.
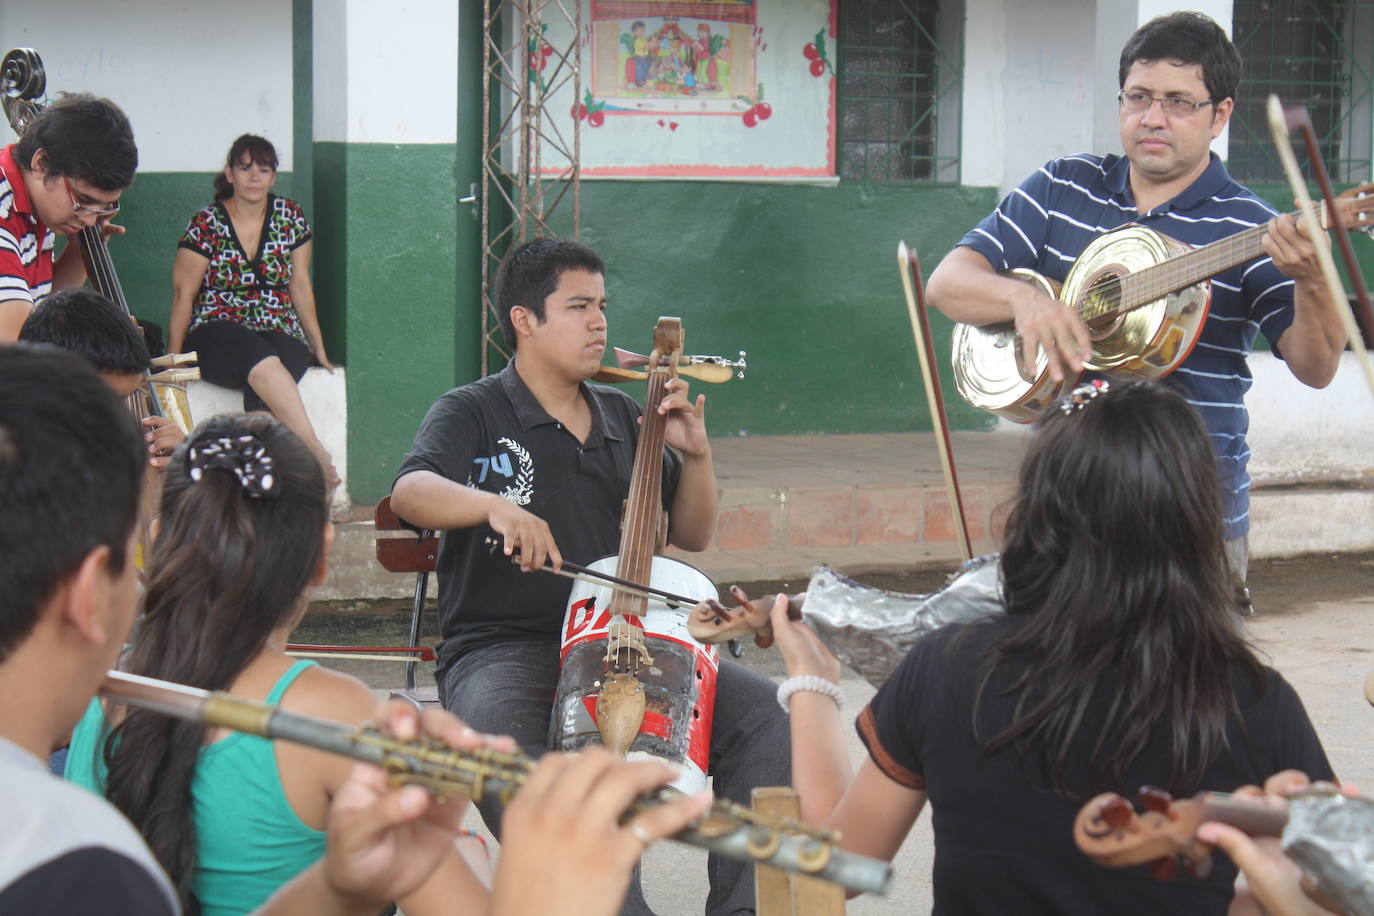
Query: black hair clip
x=243 y=456
x=1080 y=396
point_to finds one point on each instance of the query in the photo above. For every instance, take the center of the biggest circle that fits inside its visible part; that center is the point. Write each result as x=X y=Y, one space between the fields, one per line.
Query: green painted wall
x=387 y=266
x=803 y=278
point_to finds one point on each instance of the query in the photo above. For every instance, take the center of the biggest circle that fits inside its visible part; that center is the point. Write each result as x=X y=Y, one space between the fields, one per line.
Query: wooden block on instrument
x=777 y=892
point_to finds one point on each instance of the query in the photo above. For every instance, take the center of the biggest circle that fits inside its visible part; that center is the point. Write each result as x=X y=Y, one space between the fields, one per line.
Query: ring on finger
x=639 y=833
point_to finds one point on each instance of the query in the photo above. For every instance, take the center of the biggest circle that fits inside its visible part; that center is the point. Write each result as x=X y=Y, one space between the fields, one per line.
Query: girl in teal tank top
x=236 y=790
x=231 y=817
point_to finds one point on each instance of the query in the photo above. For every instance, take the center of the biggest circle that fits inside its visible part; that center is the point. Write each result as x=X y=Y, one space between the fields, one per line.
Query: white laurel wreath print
x=520 y=492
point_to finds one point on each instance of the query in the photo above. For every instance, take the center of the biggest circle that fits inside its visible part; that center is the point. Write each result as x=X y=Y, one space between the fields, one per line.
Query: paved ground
x=1314 y=626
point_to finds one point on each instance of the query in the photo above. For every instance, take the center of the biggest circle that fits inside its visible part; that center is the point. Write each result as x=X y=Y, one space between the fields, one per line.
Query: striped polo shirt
x=1046 y=222
x=25 y=243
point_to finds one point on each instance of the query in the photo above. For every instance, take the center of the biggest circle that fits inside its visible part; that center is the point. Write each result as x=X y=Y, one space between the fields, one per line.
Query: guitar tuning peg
x=1165 y=869
x=1153 y=799
x=1116 y=813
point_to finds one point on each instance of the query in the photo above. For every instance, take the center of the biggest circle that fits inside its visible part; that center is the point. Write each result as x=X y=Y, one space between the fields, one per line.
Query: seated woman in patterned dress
x=241 y=293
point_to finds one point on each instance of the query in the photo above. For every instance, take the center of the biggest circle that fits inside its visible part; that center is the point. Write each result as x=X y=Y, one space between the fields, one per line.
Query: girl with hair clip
x=1119 y=664
x=231 y=817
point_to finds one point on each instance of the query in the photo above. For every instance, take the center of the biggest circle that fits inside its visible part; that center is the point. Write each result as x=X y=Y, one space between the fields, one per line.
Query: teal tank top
x=249 y=841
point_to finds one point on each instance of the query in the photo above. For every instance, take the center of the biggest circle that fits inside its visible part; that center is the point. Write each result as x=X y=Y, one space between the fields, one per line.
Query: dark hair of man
x=83 y=137
x=226 y=570
x=259 y=149
x=85 y=322
x=530 y=273
x=1114 y=555
x=1190 y=38
x=71 y=463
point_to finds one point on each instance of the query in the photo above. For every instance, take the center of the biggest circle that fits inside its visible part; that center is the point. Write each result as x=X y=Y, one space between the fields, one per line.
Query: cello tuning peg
x=736 y=650
x=1153 y=799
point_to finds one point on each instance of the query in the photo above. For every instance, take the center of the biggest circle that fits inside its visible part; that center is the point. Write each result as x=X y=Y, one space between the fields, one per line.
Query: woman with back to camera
x=241 y=292
x=244 y=534
x=1119 y=664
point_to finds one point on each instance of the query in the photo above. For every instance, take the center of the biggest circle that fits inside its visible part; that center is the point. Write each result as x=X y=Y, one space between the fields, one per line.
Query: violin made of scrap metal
x=727 y=829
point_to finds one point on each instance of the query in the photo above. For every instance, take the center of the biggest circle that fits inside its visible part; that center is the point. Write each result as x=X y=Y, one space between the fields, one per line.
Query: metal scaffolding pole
x=522 y=73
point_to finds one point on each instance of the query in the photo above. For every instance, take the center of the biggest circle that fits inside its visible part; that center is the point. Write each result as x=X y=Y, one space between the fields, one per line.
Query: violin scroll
x=1110 y=832
x=712 y=622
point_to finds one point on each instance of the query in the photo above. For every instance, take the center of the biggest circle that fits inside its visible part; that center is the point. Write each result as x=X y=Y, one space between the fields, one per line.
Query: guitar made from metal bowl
x=1144 y=297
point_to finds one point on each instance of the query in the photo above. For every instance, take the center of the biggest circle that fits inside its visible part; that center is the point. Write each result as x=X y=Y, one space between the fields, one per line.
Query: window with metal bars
x=1318 y=53
x=899 y=86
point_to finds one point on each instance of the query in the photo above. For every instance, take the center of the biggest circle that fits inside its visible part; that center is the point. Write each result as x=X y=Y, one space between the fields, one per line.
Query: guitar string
x=1208 y=259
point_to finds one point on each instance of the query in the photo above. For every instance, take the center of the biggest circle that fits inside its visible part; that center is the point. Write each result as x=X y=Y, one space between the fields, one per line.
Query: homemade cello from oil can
x=632 y=677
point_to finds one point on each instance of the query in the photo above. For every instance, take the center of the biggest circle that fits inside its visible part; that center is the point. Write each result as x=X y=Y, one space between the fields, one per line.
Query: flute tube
x=483 y=773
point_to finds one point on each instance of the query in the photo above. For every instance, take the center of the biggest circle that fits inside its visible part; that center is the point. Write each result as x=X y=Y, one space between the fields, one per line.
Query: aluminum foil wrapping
x=1331 y=838
x=870 y=629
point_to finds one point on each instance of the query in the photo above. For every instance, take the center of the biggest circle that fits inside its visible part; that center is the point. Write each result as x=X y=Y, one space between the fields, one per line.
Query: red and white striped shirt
x=26 y=245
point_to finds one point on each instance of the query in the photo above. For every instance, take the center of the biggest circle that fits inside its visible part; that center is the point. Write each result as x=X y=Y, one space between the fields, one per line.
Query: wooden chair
x=407 y=555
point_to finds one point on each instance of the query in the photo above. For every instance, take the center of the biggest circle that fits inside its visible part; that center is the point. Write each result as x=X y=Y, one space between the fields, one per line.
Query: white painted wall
x=386 y=75
x=1307 y=434
x=191 y=76
x=1040 y=80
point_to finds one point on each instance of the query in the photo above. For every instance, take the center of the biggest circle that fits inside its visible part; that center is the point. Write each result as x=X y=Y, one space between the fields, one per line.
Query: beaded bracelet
x=809 y=682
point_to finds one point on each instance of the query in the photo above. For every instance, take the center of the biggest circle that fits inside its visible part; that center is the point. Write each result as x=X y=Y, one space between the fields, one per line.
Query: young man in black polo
x=542 y=458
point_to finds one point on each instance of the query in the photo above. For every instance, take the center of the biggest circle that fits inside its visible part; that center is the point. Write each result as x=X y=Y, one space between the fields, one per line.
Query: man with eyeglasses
x=65 y=173
x=1178 y=79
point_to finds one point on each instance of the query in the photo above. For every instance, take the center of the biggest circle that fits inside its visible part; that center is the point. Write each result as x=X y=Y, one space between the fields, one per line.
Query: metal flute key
x=727 y=829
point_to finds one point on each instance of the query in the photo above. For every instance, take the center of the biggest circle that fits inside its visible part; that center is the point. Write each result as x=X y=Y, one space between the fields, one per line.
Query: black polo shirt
x=493 y=435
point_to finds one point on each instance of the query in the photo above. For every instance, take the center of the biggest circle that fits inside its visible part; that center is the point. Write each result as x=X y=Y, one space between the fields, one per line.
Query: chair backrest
x=403 y=554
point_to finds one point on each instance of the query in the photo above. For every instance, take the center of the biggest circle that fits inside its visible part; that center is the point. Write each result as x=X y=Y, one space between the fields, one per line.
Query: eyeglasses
x=79 y=207
x=1172 y=105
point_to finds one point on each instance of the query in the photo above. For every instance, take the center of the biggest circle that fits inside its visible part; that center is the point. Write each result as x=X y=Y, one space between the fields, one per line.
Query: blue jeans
x=508 y=688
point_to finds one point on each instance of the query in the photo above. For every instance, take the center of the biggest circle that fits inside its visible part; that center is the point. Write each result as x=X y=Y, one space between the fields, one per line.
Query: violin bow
x=1280 y=122
x=910 y=267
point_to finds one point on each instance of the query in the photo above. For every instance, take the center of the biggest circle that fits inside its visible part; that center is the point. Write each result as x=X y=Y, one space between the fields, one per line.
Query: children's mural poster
x=704 y=88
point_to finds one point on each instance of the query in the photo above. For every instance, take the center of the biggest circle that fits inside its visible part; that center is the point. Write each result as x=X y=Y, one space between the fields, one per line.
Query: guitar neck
x=1185 y=270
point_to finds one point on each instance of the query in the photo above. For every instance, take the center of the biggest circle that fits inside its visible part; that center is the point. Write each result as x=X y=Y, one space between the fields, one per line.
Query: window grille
x=900 y=70
x=1318 y=53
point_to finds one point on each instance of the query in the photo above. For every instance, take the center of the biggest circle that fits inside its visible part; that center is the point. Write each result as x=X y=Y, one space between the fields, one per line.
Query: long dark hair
x=259 y=149
x=1114 y=556
x=227 y=569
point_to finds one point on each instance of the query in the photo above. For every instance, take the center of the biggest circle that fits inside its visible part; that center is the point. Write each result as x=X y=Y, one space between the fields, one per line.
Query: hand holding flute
x=473 y=771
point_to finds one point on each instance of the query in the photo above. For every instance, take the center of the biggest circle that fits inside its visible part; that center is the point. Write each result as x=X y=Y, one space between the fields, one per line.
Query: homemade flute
x=728 y=829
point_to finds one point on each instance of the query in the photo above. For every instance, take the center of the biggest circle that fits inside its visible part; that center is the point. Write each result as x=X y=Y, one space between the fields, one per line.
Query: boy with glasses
x=66 y=173
x=1178 y=78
